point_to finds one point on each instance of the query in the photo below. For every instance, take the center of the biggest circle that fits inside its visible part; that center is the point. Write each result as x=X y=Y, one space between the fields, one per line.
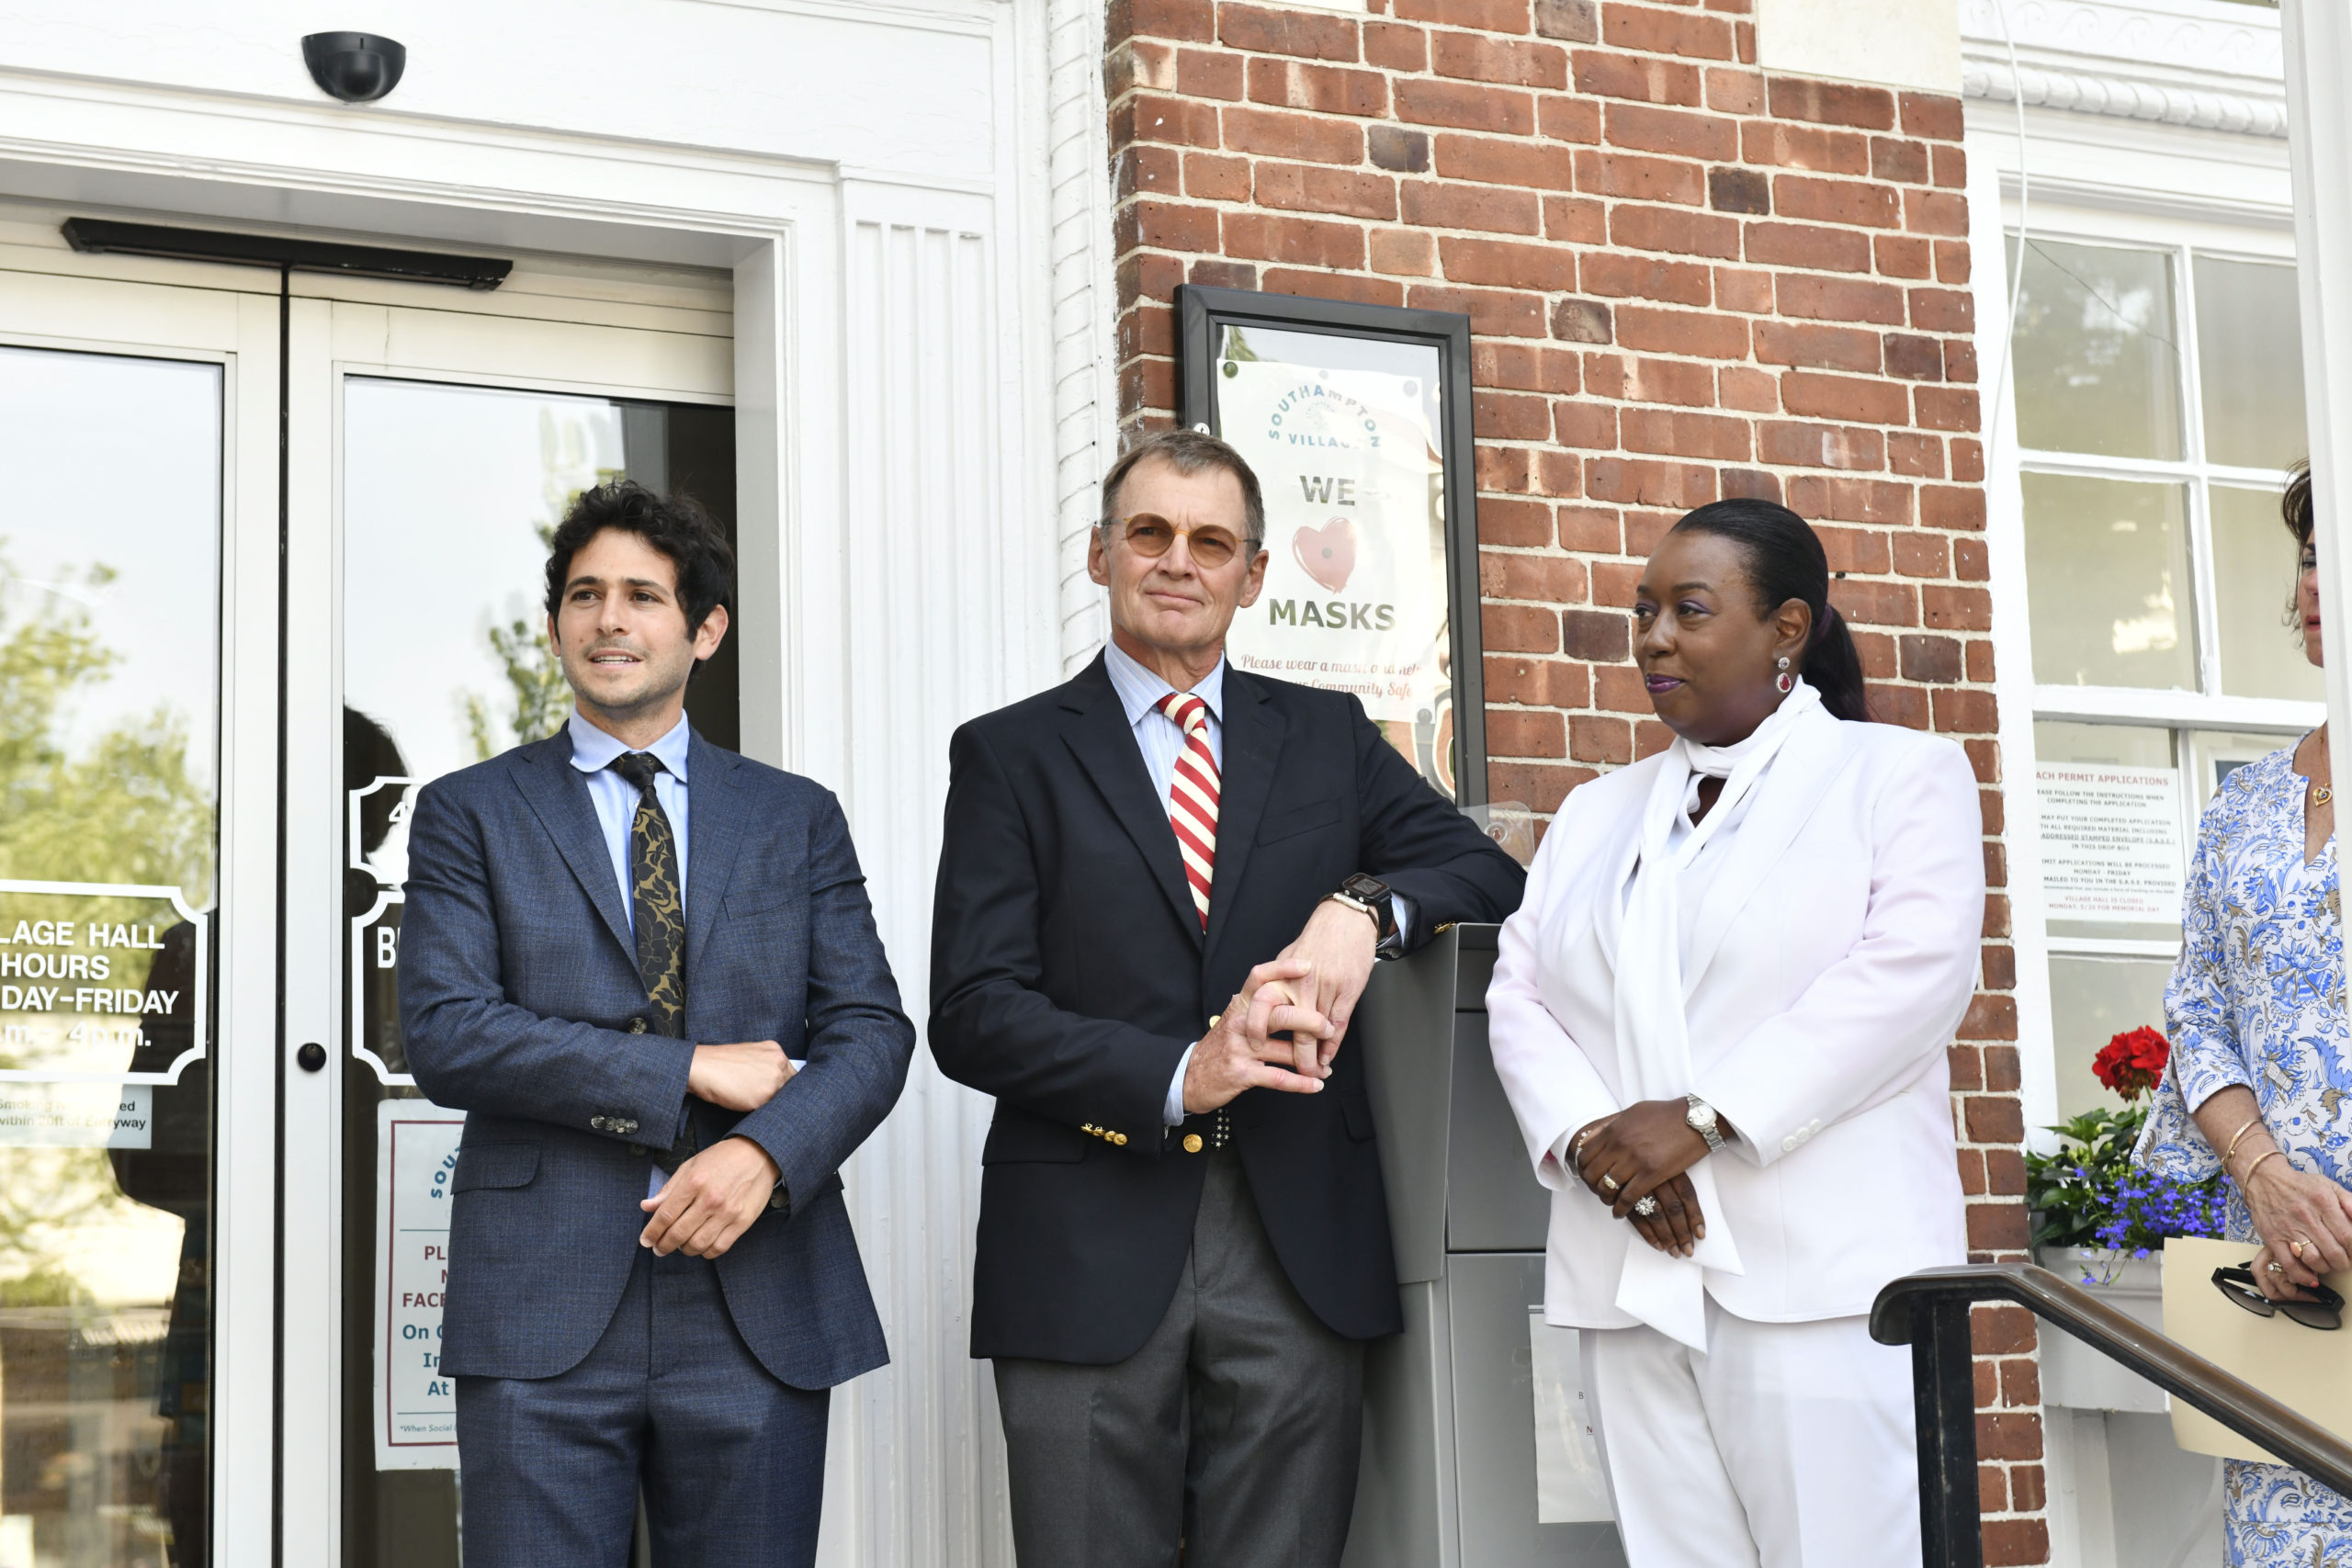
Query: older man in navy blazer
x=1183 y=1239
x=646 y=969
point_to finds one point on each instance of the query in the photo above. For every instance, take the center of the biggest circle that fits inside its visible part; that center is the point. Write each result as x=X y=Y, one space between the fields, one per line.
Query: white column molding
x=2094 y=93
x=2319 y=55
x=1086 y=409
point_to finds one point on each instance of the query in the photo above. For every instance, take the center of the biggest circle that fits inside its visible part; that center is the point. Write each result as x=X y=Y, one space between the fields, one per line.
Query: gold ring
x=2296 y=1246
x=1610 y=1182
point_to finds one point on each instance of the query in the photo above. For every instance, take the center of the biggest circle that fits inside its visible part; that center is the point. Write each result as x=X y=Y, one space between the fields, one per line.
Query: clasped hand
x=2305 y=1222
x=713 y=1197
x=1646 y=1148
x=1307 y=991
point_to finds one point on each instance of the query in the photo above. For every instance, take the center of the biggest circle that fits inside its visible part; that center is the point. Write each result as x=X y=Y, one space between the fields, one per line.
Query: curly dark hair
x=2295 y=507
x=675 y=525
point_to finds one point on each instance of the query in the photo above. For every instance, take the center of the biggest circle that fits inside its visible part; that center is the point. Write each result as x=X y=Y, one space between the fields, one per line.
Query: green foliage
x=535 y=681
x=2089 y=1193
x=2069 y=1190
x=126 y=810
x=44 y=1287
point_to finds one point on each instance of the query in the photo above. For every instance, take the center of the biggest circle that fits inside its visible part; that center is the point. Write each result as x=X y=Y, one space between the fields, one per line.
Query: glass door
x=457 y=453
x=136 y=842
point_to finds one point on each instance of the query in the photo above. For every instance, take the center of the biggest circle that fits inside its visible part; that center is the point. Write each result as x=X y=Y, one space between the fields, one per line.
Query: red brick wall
x=1686 y=280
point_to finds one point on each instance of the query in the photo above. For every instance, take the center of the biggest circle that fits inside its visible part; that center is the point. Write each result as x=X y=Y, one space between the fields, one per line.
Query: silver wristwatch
x=1701 y=1117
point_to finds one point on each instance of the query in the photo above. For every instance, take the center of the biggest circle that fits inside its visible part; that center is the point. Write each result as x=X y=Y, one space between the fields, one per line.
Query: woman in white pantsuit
x=1721 y=1014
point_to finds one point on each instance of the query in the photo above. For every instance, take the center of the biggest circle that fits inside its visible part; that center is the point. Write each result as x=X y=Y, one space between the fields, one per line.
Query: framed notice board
x=1356 y=419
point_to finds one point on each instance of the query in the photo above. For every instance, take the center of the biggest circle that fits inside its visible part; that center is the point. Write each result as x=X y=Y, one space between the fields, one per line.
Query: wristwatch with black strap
x=1371 y=896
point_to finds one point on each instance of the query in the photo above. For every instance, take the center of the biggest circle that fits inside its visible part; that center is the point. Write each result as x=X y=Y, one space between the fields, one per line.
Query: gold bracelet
x=2257 y=1163
x=2241 y=1132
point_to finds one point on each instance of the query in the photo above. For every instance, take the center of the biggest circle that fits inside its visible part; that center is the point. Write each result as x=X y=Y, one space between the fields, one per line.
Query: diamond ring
x=1646 y=1207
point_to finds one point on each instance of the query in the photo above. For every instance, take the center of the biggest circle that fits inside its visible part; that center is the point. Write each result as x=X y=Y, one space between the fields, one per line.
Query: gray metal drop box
x=1449 y=1470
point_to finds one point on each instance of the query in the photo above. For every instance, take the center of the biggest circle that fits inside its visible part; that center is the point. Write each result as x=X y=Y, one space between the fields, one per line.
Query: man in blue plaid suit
x=647 y=970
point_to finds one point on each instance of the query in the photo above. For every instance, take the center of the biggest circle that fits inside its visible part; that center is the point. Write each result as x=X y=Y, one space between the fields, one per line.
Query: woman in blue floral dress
x=2260 y=1080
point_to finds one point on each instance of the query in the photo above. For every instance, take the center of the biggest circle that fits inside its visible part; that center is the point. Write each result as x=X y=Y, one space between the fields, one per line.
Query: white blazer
x=1832 y=954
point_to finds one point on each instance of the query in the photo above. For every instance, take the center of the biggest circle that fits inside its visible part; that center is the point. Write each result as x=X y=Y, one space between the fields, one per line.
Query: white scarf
x=1653 y=1032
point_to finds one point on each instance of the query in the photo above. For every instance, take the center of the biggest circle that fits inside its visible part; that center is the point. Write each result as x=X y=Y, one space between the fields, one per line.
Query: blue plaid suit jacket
x=518 y=985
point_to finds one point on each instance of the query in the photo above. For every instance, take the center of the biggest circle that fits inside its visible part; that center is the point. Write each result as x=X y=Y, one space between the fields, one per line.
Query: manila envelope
x=2308 y=1370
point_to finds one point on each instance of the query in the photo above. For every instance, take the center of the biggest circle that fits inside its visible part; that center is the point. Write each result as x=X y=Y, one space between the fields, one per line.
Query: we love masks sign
x=1355 y=590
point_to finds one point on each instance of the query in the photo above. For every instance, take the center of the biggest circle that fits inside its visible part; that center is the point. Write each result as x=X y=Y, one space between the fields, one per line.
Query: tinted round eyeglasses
x=1152 y=536
x=2238 y=1284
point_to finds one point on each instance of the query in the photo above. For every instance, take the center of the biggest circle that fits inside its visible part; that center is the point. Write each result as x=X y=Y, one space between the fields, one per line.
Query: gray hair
x=1188 y=452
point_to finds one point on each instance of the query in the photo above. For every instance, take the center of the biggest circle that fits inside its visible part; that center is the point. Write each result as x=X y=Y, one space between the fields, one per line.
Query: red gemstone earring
x=1784 y=681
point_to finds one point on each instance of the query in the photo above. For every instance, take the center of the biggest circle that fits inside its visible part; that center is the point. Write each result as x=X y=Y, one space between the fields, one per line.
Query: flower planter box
x=2077 y=1376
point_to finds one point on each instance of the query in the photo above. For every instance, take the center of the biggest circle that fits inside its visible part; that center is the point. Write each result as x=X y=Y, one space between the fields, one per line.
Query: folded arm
x=473 y=1050
x=859 y=1040
x=1551 y=1085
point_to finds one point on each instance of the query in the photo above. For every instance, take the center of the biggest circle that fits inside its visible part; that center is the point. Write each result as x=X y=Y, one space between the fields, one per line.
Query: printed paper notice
x=1569 y=1486
x=1355 y=591
x=2111 y=842
x=416 y=1407
x=77 y=1116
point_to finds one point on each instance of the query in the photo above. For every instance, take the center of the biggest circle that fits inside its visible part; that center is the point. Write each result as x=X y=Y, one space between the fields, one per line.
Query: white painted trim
x=1085 y=303
x=2174 y=709
x=966 y=623
x=2319 y=56
x=2089 y=92
x=1988 y=219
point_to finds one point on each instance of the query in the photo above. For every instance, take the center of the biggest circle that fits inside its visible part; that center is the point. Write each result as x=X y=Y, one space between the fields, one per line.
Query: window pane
x=2254 y=588
x=109 y=734
x=2091 y=1001
x=2111 y=829
x=2107 y=583
x=2250 y=364
x=2215 y=754
x=441 y=669
x=2097 y=361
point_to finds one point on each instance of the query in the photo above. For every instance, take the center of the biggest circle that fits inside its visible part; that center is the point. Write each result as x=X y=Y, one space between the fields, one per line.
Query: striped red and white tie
x=1192 y=795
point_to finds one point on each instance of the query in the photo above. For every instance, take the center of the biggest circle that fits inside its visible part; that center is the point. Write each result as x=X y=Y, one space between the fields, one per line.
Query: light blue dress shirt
x=593 y=751
x=1162 y=741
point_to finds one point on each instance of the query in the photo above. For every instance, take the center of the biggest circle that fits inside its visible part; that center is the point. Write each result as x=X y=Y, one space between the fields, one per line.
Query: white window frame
x=2139 y=215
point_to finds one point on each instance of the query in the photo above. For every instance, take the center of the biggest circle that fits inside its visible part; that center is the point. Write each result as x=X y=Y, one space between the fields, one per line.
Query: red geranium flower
x=2132 y=1062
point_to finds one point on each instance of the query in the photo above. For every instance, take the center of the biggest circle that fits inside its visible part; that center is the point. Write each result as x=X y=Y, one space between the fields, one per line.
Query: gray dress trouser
x=1231 y=1436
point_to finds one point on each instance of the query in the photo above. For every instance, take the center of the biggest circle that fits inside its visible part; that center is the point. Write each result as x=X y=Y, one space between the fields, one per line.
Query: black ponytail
x=1785 y=562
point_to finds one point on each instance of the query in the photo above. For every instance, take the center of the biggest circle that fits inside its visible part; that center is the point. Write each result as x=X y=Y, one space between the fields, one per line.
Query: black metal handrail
x=1928 y=1312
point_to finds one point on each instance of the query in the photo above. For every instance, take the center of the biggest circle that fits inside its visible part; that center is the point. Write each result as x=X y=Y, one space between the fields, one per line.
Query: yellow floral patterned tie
x=659 y=909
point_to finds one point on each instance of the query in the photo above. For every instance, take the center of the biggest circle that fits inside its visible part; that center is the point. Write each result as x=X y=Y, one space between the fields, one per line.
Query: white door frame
x=446 y=337
x=870 y=657
x=221 y=315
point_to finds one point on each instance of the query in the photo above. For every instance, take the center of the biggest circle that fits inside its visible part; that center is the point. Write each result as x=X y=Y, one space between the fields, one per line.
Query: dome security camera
x=356 y=68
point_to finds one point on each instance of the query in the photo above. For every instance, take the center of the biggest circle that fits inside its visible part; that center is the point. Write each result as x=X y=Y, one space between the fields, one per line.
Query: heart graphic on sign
x=1327 y=553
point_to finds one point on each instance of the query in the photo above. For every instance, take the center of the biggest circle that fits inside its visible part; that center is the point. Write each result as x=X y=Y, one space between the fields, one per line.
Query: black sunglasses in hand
x=2326 y=1311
